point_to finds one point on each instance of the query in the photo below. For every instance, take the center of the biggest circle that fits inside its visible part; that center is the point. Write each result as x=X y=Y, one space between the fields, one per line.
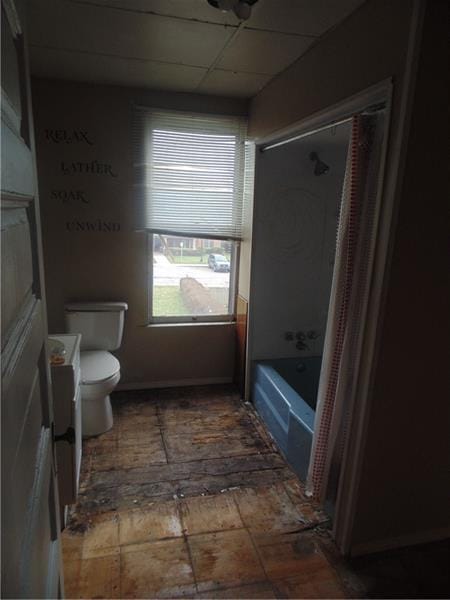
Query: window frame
x=230 y=317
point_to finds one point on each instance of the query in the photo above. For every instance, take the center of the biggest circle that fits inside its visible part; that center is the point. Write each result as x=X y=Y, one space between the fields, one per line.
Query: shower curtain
x=348 y=301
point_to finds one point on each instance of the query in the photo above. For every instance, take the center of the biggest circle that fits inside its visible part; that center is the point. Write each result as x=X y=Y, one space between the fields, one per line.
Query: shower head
x=320 y=168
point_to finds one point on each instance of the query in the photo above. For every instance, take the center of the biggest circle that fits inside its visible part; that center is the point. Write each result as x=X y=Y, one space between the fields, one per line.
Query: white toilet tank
x=100 y=323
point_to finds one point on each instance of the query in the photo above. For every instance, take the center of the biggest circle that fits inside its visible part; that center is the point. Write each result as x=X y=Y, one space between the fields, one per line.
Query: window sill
x=191 y=324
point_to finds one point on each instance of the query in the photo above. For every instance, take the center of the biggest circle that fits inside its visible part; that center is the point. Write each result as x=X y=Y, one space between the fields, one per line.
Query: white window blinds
x=191 y=173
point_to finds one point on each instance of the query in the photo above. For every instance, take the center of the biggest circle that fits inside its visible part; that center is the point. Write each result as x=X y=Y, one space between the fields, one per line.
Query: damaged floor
x=187 y=497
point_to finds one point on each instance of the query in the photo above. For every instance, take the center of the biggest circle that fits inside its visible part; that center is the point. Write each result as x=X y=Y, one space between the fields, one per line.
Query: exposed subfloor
x=187 y=497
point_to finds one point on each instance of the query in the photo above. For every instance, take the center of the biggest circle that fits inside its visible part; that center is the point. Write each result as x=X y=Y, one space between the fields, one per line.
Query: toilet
x=101 y=328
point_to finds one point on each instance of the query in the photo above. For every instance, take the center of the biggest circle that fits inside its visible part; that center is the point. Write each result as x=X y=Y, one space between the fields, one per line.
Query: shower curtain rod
x=299 y=136
x=369 y=110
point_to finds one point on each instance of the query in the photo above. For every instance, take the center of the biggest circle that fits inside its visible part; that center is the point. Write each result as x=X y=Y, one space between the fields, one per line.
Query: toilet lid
x=97 y=365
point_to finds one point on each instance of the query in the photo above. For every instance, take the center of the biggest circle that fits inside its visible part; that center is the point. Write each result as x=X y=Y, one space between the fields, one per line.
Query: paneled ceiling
x=175 y=45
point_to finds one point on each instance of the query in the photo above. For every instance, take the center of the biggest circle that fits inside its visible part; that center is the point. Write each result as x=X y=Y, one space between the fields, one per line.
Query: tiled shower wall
x=294 y=236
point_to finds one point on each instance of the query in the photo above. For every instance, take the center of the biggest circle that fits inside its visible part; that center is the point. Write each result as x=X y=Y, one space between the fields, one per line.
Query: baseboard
x=148 y=385
x=422 y=537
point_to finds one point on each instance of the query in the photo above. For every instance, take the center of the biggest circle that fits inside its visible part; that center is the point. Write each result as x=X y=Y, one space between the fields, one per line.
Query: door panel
x=17 y=267
x=30 y=543
x=30 y=512
x=22 y=465
x=16 y=178
x=17 y=380
x=39 y=543
x=14 y=516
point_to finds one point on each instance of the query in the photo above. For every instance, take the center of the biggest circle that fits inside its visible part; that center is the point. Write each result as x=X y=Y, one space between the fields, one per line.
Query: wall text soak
x=69 y=195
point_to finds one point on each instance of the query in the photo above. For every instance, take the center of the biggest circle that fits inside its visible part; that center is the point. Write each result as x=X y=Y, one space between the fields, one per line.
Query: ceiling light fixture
x=241 y=8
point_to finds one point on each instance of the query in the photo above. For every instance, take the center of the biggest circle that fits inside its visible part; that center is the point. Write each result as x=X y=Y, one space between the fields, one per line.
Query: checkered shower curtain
x=348 y=302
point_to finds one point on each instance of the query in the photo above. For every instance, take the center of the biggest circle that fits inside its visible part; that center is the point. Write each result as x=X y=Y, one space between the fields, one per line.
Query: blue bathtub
x=285 y=395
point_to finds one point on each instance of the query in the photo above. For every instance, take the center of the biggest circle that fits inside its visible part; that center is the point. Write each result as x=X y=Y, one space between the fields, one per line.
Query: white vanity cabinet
x=67 y=413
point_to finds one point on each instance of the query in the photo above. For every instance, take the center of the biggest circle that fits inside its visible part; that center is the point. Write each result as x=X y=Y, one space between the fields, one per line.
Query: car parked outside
x=218 y=262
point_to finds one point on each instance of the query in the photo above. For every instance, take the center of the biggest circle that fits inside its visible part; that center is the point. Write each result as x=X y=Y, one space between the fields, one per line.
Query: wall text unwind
x=97 y=225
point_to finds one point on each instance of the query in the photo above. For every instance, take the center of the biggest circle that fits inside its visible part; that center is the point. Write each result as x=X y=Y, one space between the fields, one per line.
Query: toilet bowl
x=100 y=373
x=101 y=328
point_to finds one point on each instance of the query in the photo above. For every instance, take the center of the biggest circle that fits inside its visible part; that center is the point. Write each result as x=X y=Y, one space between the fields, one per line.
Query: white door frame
x=395 y=141
x=386 y=216
x=383 y=223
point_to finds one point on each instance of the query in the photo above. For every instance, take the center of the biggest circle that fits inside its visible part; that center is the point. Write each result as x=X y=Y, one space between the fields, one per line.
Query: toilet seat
x=98 y=366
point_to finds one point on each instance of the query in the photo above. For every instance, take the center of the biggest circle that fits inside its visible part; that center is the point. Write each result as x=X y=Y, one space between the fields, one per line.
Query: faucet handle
x=301 y=345
x=313 y=335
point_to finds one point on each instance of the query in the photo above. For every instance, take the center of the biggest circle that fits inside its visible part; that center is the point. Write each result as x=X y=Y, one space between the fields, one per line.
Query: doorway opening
x=317 y=208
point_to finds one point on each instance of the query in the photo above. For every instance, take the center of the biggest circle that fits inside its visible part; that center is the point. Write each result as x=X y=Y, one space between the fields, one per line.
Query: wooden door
x=30 y=514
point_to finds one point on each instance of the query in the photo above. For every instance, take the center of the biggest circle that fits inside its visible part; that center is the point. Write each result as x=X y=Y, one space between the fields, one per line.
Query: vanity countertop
x=65 y=379
x=71 y=343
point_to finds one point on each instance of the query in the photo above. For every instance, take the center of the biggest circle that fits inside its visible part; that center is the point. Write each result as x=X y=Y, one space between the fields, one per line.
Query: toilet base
x=97 y=416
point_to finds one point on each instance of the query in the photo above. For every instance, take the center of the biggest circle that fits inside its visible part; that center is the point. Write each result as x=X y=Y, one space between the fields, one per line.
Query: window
x=191 y=188
x=191 y=281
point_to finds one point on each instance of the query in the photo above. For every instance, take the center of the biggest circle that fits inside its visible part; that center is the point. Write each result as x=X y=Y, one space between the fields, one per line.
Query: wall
x=294 y=238
x=407 y=454
x=242 y=359
x=403 y=493
x=247 y=224
x=368 y=47
x=112 y=263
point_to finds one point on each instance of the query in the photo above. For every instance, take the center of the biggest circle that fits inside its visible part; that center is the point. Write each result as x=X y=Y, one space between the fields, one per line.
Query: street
x=165 y=273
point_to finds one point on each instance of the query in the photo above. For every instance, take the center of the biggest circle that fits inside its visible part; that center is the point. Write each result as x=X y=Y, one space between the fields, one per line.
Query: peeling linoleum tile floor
x=187 y=497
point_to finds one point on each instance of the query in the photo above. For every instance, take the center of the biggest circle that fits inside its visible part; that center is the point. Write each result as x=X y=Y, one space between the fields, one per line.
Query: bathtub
x=285 y=395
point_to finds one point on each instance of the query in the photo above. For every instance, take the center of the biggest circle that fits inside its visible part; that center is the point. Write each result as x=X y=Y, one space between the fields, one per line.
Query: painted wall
x=294 y=240
x=108 y=260
x=368 y=47
x=407 y=455
x=403 y=496
x=247 y=225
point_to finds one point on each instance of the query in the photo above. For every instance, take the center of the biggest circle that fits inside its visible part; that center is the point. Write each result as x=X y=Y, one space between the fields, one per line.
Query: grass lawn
x=167 y=301
x=188 y=260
